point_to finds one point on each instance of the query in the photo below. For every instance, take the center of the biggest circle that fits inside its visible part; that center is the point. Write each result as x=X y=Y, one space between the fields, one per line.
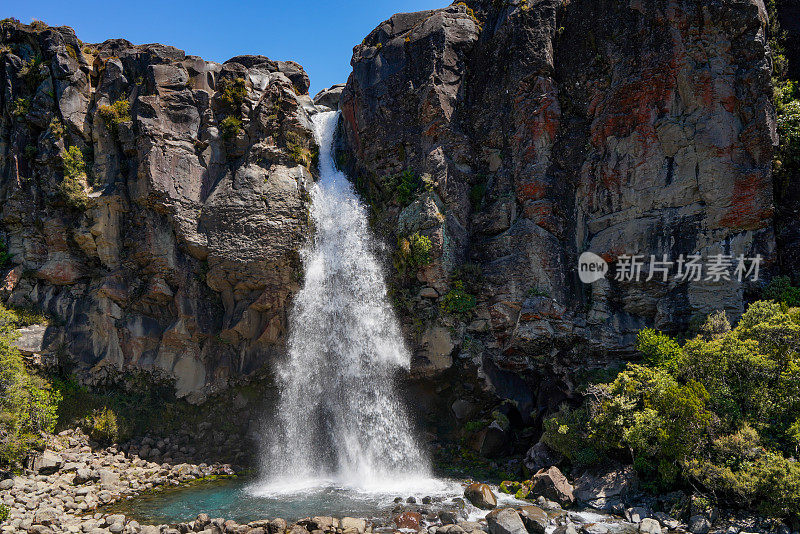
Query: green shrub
x=103 y=427
x=419 y=250
x=407 y=186
x=115 y=114
x=230 y=127
x=567 y=432
x=780 y=289
x=72 y=186
x=657 y=348
x=28 y=406
x=4 y=511
x=20 y=107
x=721 y=412
x=232 y=93
x=56 y=128
x=5 y=257
x=300 y=152
x=457 y=301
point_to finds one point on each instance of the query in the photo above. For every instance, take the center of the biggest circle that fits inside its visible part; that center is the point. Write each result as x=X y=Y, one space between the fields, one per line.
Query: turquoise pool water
x=244 y=500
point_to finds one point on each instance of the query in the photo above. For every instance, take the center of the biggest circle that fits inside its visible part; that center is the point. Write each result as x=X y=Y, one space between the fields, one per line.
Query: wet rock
x=356 y=524
x=636 y=514
x=480 y=495
x=505 y=521
x=411 y=520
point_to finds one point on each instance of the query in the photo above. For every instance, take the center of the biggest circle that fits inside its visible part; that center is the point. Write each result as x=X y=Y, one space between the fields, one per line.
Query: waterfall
x=339 y=418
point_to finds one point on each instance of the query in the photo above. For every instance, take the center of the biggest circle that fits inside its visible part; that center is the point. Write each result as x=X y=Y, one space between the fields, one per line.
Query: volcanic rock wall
x=153 y=203
x=546 y=128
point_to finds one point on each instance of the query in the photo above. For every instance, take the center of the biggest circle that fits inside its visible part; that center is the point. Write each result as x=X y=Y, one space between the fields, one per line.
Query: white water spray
x=339 y=418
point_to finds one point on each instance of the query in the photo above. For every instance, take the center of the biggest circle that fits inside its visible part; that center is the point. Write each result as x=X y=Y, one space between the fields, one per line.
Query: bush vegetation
x=72 y=186
x=28 y=405
x=720 y=412
x=115 y=114
x=300 y=152
x=229 y=127
x=457 y=301
x=5 y=257
x=232 y=93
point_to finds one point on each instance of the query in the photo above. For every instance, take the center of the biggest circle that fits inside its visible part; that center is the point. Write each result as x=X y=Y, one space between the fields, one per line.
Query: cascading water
x=339 y=419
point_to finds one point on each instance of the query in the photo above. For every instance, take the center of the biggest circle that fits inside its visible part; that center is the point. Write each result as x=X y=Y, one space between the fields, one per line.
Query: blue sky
x=319 y=35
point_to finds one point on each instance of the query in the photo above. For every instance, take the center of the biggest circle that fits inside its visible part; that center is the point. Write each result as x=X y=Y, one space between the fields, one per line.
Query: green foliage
x=403 y=187
x=567 y=431
x=413 y=252
x=722 y=411
x=103 y=427
x=27 y=403
x=457 y=301
x=656 y=348
x=232 y=93
x=4 y=511
x=115 y=114
x=56 y=128
x=32 y=71
x=230 y=127
x=71 y=187
x=301 y=152
x=20 y=107
x=780 y=289
x=5 y=257
x=30 y=152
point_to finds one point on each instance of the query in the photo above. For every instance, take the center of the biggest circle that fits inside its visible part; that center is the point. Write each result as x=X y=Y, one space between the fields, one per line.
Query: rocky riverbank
x=70 y=486
x=67 y=486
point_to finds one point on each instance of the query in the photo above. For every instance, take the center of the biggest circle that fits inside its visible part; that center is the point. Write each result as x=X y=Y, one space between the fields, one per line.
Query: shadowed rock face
x=182 y=249
x=549 y=128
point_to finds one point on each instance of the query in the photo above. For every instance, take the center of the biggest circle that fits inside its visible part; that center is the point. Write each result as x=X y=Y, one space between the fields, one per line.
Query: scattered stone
x=505 y=521
x=534 y=519
x=411 y=520
x=699 y=524
x=649 y=526
x=480 y=495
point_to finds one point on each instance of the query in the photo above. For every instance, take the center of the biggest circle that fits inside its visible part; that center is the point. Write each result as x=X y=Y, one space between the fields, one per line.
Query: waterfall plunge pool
x=244 y=500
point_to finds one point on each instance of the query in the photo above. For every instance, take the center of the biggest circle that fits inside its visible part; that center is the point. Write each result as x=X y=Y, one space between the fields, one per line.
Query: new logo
x=591 y=267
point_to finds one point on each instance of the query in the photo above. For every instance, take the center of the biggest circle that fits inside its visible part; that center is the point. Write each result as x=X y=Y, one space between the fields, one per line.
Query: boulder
x=699 y=524
x=480 y=495
x=505 y=521
x=329 y=97
x=606 y=489
x=649 y=526
x=47 y=463
x=408 y=519
x=534 y=518
x=352 y=523
x=553 y=485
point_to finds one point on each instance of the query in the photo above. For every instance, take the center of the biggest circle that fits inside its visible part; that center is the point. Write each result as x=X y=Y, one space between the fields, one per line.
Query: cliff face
x=153 y=203
x=545 y=128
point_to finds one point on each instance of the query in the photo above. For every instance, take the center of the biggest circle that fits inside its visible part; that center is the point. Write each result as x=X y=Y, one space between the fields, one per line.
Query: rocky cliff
x=153 y=203
x=514 y=136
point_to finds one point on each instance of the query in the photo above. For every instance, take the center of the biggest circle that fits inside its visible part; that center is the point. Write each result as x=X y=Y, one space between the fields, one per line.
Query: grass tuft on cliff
x=72 y=188
x=720 y=412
